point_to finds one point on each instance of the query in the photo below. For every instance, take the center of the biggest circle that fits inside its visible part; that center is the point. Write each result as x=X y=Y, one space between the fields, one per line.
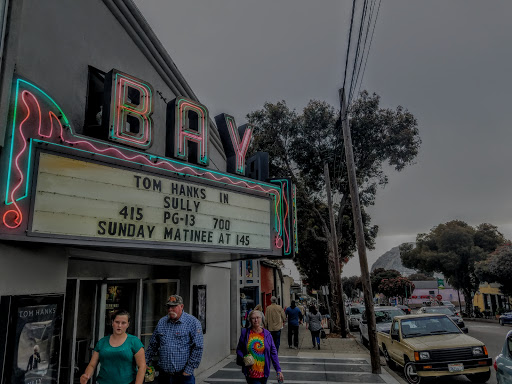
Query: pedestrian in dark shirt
x=178 y=337
x=294 y=316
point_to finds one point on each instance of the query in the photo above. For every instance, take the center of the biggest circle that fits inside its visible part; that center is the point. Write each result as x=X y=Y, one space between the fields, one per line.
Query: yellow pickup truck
x=431 y=345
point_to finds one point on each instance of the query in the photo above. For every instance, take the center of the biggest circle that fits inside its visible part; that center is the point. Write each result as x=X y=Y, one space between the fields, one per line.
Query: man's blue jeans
x=276 y=335
x=178 y=378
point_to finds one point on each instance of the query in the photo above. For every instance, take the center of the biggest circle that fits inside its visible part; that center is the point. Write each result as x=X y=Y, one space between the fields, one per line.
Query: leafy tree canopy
x=398 y=286
x=453 y=248
x=497 y=268
x=380 y=274
x=300 y=144
x=421 y=277
x=351 y=285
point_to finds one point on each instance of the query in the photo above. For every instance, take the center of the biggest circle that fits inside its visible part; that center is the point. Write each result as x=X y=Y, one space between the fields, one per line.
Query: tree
x=421 y=277
x=497 y=268
x=351 y=286
x=398 y=286
x=380 y=274
x=298 y=147
x=453 y=248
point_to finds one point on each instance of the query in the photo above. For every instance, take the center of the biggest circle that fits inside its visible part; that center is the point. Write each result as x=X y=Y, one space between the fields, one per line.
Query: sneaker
x=290 y=347
x=294 y=347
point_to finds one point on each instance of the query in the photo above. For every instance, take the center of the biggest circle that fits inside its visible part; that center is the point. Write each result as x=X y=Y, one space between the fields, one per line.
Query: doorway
x=89 y=304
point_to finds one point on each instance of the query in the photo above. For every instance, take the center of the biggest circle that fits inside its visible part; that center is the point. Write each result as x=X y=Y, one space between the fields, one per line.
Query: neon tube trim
x=122 y=109
x=183 y=132
x=242 y=147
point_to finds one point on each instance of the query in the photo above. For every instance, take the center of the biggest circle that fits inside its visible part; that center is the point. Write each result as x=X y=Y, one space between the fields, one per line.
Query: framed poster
x=199 y=310
x=33 y=338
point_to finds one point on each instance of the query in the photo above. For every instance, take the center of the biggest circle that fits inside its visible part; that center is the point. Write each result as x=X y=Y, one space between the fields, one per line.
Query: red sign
x=439 y=297
x=414 y=297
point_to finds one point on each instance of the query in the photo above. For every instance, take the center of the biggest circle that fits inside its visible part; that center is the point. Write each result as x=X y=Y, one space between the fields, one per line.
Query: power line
x=367 y=28
x=370 y=46
x=358 y=46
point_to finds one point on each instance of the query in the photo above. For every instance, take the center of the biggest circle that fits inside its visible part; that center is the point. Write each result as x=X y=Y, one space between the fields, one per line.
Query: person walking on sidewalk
x=258 y=343
x=120 y=355
x=314 y=323
x=178 y=338
x=294 y=316
x=274 y=321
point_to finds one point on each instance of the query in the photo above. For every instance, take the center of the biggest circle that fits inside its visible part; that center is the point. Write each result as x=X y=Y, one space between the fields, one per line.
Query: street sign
x=439 y=297
x=440 y=283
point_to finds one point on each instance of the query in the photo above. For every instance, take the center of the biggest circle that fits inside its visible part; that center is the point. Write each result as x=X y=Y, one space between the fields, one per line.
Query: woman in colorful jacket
x=258 y=343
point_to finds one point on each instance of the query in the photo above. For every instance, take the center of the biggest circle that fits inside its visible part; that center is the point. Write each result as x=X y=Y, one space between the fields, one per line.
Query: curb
x=494 y=321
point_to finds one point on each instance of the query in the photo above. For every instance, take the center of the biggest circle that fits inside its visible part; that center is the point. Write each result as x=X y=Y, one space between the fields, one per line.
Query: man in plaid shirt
x=178 y=338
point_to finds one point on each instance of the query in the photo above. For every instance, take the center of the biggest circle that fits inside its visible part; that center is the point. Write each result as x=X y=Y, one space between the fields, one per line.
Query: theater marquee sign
x=78 y=198
x=116 y=190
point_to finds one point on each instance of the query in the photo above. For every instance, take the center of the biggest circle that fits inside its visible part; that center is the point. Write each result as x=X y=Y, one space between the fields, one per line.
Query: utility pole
x=361 y=246
x=334 y=237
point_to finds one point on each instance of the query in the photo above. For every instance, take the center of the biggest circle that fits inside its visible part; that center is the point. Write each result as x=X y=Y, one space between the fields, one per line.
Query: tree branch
x=323 y=239
x=324 y=224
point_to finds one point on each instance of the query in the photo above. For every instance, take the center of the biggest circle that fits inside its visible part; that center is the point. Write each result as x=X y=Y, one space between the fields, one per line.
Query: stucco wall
x=217 y=336
x=26 y=270
x=58 y=40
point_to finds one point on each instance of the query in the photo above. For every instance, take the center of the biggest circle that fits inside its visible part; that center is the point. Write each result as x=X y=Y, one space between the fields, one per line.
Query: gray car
x=503 y=362
x=383 y=317
x=354 y=315
x=445 y=311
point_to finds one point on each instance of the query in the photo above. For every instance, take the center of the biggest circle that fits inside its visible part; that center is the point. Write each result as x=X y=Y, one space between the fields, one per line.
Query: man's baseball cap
x=174 y=300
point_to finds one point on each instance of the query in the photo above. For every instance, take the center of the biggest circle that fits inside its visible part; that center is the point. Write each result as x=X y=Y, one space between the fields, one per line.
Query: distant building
x=427 y=291
x=489 y=298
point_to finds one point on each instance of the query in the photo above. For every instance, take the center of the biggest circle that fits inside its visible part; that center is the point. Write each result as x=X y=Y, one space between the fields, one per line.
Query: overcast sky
x=449 y=63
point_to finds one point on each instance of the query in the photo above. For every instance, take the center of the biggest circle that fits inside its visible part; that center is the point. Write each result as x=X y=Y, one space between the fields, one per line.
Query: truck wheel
x=480 y=377
x=391 y=364
x=410 y=373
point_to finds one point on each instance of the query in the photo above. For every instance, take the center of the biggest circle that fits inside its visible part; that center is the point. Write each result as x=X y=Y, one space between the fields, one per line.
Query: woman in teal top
x=121 y=355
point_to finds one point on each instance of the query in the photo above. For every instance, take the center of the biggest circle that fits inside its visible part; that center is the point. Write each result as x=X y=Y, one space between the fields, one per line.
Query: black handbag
x=322 y=334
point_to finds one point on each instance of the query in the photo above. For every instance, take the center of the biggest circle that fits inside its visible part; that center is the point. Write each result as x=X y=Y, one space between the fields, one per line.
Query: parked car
x=447 y=303
x=445 y=311
x=354 y=315
x=404 y=308
x=383 y=318
x=503 y=362
x=506 y=318
x=431 y=345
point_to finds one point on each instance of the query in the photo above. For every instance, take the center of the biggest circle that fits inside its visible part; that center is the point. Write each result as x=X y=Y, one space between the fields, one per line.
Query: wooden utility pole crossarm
x=361 y=245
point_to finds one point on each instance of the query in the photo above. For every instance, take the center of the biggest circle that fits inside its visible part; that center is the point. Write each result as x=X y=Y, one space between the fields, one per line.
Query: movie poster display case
x=30 y=330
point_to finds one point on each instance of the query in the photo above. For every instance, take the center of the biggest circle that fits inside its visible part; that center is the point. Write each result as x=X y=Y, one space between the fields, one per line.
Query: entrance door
x=88 y=307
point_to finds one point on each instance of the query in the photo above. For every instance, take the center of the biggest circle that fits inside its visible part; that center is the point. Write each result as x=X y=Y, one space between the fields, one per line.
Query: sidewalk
x=329 y=347
x=349 y=352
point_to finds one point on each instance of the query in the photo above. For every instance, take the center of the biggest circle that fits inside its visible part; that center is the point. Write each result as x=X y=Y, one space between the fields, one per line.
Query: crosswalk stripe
x=301 y=371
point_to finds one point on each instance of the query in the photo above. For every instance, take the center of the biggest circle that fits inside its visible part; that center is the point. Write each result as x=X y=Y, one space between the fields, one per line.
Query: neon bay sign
x=39 y=122
x=130 y=99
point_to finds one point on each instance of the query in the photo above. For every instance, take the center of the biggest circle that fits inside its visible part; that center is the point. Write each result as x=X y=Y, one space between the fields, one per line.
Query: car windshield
x=356 y=310
x=444 y=311
x=386 y=316
x=426 y=326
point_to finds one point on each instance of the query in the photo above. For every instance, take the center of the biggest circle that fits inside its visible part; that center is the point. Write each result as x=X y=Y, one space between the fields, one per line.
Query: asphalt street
x=491 y=334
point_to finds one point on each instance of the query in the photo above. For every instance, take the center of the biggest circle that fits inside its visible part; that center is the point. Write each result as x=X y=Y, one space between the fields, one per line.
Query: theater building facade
x=118 y=189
